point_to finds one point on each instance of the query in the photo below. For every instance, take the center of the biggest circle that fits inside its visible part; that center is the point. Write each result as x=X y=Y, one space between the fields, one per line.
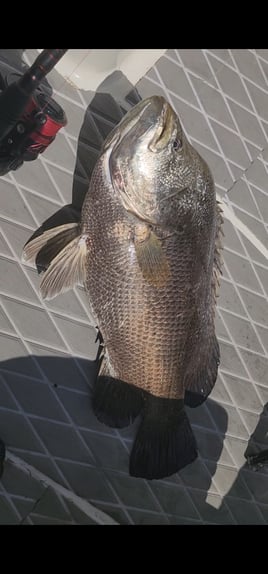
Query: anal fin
x=116 y=403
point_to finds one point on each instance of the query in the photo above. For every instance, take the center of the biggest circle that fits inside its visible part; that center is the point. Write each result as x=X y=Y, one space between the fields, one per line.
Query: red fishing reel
x=38 y=127
x=33 y=133
x=29 y=117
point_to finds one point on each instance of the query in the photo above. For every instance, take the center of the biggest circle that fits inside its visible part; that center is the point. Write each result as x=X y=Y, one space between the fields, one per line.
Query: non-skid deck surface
x=46 y=348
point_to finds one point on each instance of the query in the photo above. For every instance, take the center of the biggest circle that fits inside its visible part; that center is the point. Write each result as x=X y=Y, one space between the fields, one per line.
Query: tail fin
x=63 y=251
x=165 y=442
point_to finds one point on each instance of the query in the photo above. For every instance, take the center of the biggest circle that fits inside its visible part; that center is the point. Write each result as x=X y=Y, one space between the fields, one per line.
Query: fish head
x=153 y=167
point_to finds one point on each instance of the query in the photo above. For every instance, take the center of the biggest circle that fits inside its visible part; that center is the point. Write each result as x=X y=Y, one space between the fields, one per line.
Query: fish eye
x=177 y=144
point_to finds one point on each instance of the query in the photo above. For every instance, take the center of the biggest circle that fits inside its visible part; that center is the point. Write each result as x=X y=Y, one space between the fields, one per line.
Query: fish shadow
x=46 y=418
x=246 y=500
x=258 y=441
x=209 y=423
x=49 y=389
x=248 y=496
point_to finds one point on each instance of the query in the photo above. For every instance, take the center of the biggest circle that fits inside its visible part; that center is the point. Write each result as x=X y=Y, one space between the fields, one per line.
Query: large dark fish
x=147 y=251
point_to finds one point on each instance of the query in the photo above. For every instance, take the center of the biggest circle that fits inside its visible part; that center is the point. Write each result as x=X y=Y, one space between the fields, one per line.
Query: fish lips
x=127 y=122
x=153 y=114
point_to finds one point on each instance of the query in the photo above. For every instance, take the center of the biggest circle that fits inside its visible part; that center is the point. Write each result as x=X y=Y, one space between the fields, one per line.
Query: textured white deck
x=45 y=417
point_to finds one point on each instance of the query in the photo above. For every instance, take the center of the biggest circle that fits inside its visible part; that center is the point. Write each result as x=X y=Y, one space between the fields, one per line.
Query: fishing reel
x=29 y=117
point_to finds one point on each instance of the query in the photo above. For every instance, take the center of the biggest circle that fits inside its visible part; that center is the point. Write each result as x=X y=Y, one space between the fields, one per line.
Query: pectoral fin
x=64 y=250
x=151 y=257
x=53 y=240
x=66 y=270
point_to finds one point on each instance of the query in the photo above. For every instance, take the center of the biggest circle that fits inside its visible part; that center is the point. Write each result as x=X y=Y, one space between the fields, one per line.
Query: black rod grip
x=43 y=64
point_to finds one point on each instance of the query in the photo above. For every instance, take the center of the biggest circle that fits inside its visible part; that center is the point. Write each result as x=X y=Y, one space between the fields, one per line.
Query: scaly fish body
x=147 y=251
x=145 y=328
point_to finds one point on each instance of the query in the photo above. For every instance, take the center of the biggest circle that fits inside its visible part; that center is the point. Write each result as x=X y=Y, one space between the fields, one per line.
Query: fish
x=148 y=251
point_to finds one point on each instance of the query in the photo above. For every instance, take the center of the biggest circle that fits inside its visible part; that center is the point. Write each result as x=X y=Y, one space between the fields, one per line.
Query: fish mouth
x=164 y=129
x=124 y=127
x=153 y=114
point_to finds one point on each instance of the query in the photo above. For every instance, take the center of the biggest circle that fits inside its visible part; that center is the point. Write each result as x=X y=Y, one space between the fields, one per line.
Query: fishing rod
x=29 y=117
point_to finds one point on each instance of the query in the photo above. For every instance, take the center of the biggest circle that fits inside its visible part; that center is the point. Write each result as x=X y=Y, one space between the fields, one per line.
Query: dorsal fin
x=218 y=262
